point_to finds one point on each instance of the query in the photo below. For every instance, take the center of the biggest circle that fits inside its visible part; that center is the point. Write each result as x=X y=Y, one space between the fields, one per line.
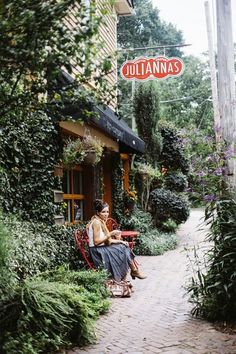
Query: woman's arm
x=97 y=239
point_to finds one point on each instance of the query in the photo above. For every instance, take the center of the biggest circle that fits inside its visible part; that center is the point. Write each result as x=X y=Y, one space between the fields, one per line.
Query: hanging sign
x=147 y=68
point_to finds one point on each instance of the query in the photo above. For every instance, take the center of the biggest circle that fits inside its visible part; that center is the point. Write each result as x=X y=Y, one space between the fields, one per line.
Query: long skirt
x=115 y=258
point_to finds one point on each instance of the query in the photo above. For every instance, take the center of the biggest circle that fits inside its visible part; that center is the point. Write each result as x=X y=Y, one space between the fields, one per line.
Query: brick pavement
x=156 y=319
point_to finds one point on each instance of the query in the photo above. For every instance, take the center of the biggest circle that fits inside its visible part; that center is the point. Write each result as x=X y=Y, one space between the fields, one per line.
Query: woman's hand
x=116 y=234
x=126 y=243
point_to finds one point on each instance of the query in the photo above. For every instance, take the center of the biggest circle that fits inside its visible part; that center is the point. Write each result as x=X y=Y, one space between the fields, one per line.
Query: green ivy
x=37 y=247
x=117 y=190
x=29 y=149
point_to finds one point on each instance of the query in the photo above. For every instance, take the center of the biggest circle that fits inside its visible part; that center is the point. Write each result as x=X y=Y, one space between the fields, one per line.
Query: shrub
x=46 y=315
x=155 y=243
x=176 y=181
x=29 y=149
x=137 y=220
x=166 y=204
x=150 y=242
x=36 y=247
x=169 y=225
x=172 y=155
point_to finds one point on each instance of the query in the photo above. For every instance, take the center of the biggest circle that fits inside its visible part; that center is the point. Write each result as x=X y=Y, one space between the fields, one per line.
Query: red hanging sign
x=151 y=68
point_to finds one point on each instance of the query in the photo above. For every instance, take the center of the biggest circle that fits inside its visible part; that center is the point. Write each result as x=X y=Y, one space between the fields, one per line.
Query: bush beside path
x=156 y=319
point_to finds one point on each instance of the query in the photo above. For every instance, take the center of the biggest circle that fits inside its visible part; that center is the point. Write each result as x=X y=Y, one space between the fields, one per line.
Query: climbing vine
x=29 y=149
x=117 y=190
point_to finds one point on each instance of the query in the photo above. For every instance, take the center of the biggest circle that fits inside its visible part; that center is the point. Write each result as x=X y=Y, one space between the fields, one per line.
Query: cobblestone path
x=156 y=319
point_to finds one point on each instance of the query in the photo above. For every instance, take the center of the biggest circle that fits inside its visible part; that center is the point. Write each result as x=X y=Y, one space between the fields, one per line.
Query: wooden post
x=213 y=74
x=226 y=77
x=133 y=125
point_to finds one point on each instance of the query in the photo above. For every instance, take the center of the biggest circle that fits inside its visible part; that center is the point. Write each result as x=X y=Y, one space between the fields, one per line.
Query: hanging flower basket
x=73 y=153
x=90 y=158
x=93 y=148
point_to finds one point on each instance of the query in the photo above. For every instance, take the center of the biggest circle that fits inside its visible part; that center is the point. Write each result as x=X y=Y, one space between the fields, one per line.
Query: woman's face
x=104 y=213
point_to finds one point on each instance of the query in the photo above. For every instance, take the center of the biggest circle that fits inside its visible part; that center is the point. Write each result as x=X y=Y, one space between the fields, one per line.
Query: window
x=73 y=195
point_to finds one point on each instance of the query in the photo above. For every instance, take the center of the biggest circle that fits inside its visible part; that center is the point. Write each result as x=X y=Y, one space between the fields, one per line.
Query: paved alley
x=156 y=319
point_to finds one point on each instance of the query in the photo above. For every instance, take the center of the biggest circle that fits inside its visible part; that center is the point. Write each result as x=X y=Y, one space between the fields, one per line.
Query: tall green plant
x=145 y=29
x=146 y=110
x=117 y=189
x=7 y=277
x=37 y=43
x=213 y=286
x=172 y=156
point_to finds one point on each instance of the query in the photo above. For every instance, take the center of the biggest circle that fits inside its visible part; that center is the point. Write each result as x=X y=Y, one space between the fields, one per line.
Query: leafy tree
x=146 y=110
x=146 y=28
x=189 y=96
x=142 y=30
x=172 y=156
x=36 y=43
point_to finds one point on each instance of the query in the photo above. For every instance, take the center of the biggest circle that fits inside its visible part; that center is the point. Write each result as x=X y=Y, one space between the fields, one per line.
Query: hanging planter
x=90 y=158
x=93 y=149
x=73 y=153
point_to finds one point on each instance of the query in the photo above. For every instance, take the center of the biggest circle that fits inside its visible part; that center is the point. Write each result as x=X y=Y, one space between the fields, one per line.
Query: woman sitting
x=106 y=251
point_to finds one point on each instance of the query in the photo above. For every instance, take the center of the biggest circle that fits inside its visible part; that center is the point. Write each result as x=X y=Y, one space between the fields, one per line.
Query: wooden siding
x=108 y=37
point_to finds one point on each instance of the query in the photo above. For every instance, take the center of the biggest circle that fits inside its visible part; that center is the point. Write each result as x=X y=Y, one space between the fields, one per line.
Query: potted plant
x=73 y=153
x=129 y=198
x=93 y=149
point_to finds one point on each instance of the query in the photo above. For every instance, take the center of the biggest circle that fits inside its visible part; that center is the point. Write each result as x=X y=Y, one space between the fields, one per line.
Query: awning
x=118 y=129
x=109 y=122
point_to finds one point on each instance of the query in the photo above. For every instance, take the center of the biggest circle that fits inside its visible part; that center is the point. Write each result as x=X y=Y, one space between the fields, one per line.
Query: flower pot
x=90 y=158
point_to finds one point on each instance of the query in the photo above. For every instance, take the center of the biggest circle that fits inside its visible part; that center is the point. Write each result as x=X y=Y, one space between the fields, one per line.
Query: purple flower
x=229 y=153
x=219 y=171
x=210 y=197
x=201 y=174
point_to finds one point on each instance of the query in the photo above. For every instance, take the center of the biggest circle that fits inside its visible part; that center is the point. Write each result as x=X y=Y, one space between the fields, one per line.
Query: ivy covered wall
x=29 y=149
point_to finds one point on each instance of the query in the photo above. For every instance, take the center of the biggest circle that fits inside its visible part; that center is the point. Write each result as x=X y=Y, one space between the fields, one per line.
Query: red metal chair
x=112 y=224
x=82 y=241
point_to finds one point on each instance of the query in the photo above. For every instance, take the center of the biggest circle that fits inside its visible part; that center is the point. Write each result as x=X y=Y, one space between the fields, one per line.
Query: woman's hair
x=99 y=205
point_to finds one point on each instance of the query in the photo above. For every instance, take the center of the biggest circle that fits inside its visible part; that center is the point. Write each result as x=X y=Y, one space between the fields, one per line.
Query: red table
x=130 y=236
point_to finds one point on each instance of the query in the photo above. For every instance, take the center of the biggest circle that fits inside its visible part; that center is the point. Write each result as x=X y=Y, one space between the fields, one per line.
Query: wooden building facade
x=83 y=183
